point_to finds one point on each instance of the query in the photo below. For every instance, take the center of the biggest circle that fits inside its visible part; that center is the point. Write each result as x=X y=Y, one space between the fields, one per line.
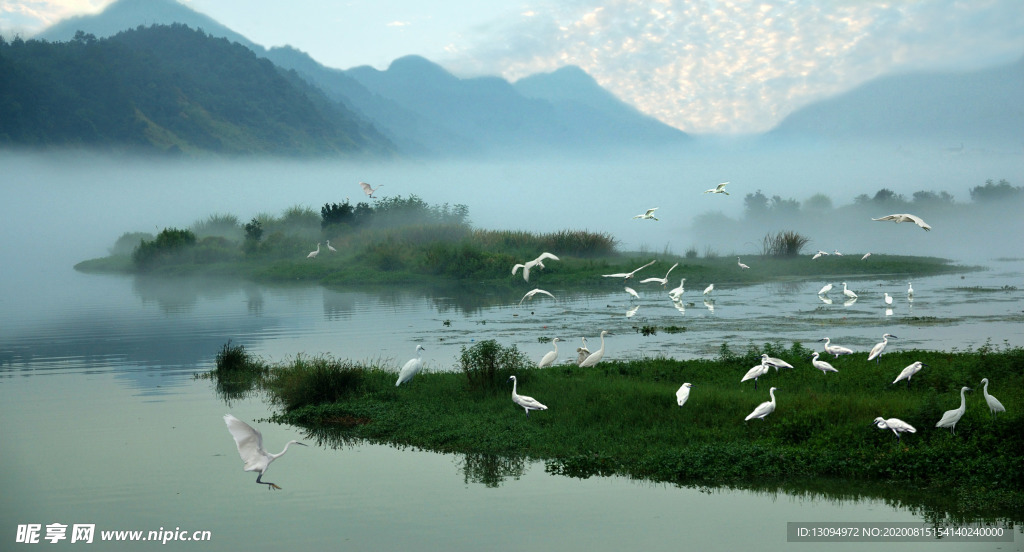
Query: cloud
x=33 y=16
x=741 y=66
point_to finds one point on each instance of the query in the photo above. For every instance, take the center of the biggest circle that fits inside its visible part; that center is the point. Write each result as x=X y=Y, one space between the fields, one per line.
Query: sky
x=704 y=66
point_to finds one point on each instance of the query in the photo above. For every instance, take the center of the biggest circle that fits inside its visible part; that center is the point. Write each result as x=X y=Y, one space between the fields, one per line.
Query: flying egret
x=683 y=393
x=539 y=261
x=550 y=357
x=249 y=441
x=662 y=281
x=313 y=254
x=720 y=189
x=835 y=349
x=742 y=266
x=951 y=417
x=528 y=403
x=818 y=255
x=897 y=426
x=628 y=275
x=597 y=355
x=775 y=362
x=764 y=408
x=632 y=292
x=906 y=217
x=909 y=372
x=848 y=292
x=709 y=289
x=866 y=255
x=676 y=293
x=367 y=189
x=331 y=247
x=825 y=289
x=582 y=352
x=876 y=351
x=888 y=298
x=648 y=215
x=755 y=373
x=529 y=294
x=993 y=403
x=412 y=367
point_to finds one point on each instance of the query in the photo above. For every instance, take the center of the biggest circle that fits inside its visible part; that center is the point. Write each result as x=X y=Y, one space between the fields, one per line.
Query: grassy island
x=621 y=418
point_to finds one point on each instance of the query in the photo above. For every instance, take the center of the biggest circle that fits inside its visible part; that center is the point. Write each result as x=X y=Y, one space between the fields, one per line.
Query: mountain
x=171 y=89
x=976 y=106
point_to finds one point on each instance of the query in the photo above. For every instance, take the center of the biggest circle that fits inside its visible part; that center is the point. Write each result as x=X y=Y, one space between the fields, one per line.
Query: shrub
x=220 y=225
x=254 y=230
x=488 y=365
x=320 y=380
x=128 y=241
x=783 y=244
x=168 y=246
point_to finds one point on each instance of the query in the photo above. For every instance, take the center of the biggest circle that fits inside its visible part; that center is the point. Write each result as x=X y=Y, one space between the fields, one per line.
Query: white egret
x=764 y=408
x=632 y=292
x=683 y=393
x=910 y=290
x=951 y=417
x=709 y=289
x=888 y=298
x=528 y=403
x=313 y=254
x=551 y=356
x=821 y=364
x=993 y=403
x=835 y=349
x=897 y=426
x=775 y=362
x=909 y=372
x=825 y=289
x=848 y=292
x=755 y=373
x=529 y=294
x=367 y=189
x=662 y=281
x=720 y=189
x=876 y=351
x=582 y=352
x=866 y=255
x=250 y=447
x=539 y=261
x=412 y=367
x=628 y=275
x=597 y=355
x=906 y=217
x=676 y=293
x=818 y=255
x=331 y=247
x=648 y=215
x=742 y=266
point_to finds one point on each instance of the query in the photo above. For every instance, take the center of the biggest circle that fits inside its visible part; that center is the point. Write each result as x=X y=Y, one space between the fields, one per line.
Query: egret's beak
x=303 y=444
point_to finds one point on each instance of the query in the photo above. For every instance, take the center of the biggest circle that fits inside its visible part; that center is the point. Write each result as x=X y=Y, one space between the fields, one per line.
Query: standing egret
x=412 y=367
x=627 y=275
x=835 y=349
x=539 y=261
x=582 y=352
x=550 y=357
x=993 y=403
x=313 y=254
x=822 y=365
x=331 y=247
x=866 y=255
x=367 y=189
x=720 y=189
x=848 y=292
x=876 y=351
x=897 y=426
x=740 y=263
x=648 y=215
x=709 y=289
x=951 y=417
x=528 y=403
x=683 y=393
x=775 y=362
x=906 y=217
x=676 y=293
x=909 y=372
x=632 y=292
x=597 y=355
x=888 y=299
x=764 y=408
x=755 y=373
x=662 y=281
x=910 y=291
x=249 y=441
x=825 y=289
x=535 y=291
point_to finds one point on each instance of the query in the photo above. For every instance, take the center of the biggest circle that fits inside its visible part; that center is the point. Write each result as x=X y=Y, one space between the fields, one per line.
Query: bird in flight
x=539 y=261
x=906 y=217
x=627 y=275
x=720 y=189
x=368 y=190
x=648 y=215
x=532 y=292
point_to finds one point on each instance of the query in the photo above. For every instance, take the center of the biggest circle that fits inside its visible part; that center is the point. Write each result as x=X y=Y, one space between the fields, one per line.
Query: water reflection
x=490 y=470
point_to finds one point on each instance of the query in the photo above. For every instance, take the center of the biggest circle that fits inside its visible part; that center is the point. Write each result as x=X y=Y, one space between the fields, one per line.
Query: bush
x=320 y=380
x=128 y=241
x=488 y=365
x=168 y=246
x=219 y=225
x=783 y=244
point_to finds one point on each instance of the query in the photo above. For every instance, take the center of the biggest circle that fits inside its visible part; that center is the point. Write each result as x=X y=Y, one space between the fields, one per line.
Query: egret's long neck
x=514 y=387
x=555 y=345
x=962 y=401
x=770 y=392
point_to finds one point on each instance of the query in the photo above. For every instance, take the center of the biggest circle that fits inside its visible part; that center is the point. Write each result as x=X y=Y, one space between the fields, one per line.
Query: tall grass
x=313 y=381
x=783 y=244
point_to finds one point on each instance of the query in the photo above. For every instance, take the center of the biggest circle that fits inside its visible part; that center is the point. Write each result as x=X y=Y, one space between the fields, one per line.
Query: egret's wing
x=920 y=222
x=546 y=255
x=900 y=425
x=531 y=403
x=888 y=217
x=682 y=394
x=248 y=440
x=619 y=275
x=643 y=267
x=670 y=270
x=366 y=187
x=515 y=268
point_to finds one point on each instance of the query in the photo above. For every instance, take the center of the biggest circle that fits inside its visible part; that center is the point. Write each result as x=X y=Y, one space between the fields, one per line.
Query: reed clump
x=783 y=244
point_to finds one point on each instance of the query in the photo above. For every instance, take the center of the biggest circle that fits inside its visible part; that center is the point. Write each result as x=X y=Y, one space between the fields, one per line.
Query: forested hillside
x=168 y=89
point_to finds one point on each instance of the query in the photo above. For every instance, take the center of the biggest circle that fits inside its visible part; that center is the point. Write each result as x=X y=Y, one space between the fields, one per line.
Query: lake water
x=103 y=422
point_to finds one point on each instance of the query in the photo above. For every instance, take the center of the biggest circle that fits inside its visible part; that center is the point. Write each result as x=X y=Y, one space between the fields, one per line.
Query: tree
x=992 y=192
x=755 y=205
x=818 y=202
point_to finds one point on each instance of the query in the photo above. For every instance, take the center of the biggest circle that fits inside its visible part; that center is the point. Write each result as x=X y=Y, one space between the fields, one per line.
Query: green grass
x=621 y=418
